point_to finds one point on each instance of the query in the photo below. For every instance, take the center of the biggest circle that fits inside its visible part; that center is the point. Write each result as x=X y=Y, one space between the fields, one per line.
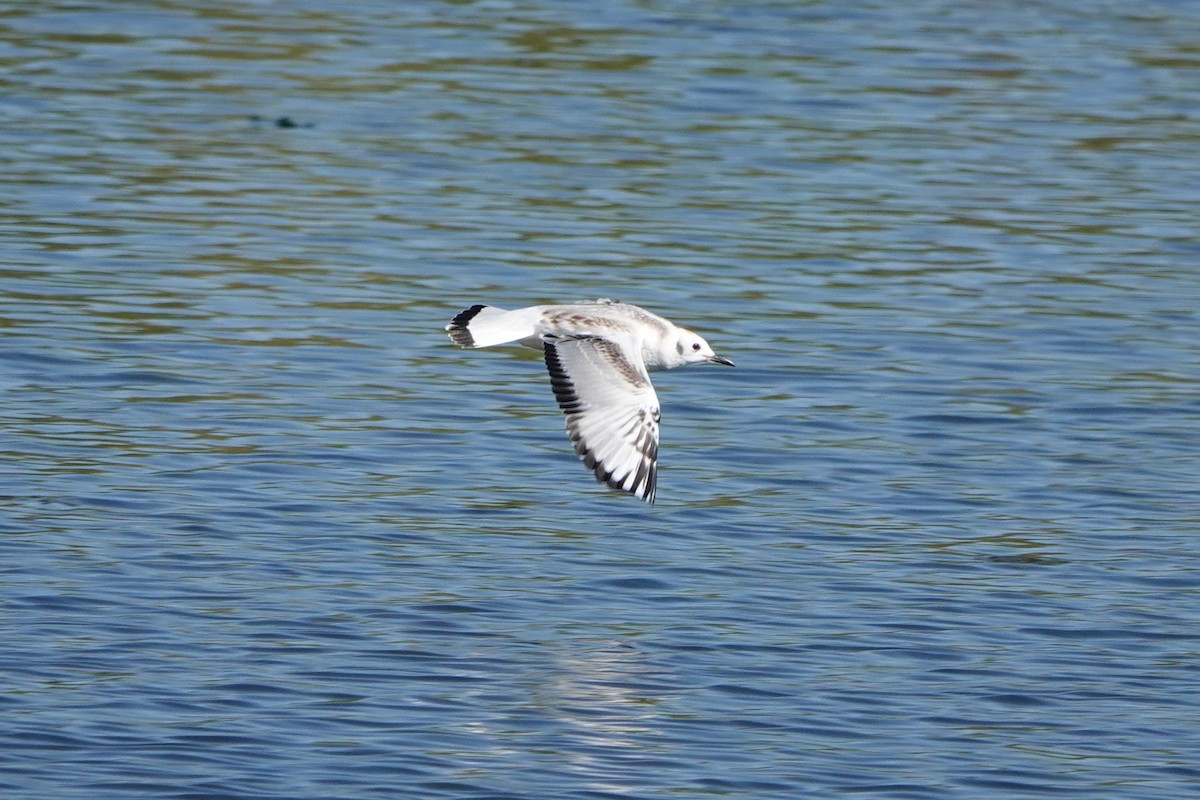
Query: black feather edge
x=459 y=334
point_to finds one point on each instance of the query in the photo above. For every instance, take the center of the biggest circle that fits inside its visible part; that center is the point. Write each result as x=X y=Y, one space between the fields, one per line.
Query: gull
x=599 y=354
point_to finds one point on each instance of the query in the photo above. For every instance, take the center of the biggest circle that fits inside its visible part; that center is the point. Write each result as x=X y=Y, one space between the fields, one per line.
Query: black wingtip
x=457 y=329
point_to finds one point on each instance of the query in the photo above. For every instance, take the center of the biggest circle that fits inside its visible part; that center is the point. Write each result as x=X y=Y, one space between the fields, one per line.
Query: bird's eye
x=696 y=346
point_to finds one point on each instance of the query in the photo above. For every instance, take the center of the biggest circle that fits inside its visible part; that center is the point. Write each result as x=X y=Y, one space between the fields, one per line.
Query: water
x=267 y=534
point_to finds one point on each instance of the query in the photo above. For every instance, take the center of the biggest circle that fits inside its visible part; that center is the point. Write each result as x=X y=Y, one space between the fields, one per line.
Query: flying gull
x=599 y=354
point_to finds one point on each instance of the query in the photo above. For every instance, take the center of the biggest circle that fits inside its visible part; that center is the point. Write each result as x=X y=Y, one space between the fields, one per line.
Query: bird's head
x=692 y=349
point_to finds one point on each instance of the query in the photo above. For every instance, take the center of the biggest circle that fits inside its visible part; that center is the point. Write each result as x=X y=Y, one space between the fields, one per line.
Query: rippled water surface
x=267 y=534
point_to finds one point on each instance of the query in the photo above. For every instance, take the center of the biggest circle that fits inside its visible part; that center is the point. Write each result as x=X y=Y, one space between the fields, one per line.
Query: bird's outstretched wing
x=611 y=409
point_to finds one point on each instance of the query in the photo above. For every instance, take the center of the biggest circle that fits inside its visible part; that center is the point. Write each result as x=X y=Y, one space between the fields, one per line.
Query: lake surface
x=265 y=534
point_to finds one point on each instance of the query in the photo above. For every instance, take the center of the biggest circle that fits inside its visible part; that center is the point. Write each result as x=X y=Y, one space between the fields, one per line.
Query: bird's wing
x=611 y=409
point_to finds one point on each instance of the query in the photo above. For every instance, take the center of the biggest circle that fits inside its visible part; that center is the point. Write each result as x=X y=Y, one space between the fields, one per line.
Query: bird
x=599 y=354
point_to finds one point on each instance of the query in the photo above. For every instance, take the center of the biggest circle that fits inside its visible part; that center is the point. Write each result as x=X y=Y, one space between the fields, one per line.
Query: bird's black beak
x=720 y=360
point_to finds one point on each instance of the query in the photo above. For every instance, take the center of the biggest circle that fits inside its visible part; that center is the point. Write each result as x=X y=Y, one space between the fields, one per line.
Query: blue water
x=267 y=534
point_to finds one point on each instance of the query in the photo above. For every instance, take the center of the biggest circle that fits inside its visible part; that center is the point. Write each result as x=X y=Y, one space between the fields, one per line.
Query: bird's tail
x=484 y=326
